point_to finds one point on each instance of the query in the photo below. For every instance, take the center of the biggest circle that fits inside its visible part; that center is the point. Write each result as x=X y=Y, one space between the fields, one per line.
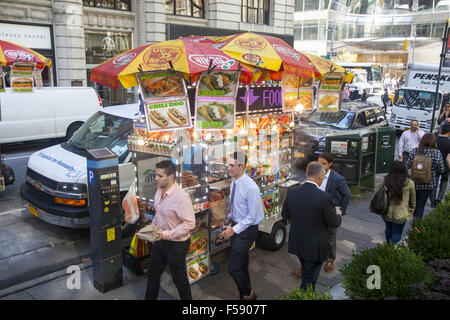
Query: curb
x=40 y=280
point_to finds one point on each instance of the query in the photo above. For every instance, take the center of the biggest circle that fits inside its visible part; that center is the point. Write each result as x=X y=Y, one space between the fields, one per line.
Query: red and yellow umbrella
x=265 y=52
x=183 y=55
x=10 y=53
x=322 y=66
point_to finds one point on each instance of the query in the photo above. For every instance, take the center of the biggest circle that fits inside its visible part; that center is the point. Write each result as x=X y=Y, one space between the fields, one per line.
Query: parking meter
x=105 y=218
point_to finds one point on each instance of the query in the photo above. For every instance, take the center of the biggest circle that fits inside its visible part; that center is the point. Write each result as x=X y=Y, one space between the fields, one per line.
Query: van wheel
x=275 y=240
x=72 y=129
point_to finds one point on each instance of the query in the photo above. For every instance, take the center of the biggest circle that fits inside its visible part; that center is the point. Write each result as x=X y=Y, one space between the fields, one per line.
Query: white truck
x=415 y=100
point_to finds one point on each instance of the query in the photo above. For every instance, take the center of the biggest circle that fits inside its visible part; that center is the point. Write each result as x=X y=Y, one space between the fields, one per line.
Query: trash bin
x=354 y=155
x=385 y=148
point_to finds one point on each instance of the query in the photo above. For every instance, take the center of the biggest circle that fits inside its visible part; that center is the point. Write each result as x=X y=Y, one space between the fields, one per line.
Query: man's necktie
x=233 y=188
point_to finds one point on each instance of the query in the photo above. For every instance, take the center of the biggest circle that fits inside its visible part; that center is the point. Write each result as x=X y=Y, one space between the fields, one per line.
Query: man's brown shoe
x=252 y=296
x=298 y=272
x=329 y=267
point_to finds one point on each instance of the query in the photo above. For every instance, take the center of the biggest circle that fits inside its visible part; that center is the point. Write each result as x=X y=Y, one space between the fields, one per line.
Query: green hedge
x=399 y=269
x=430 y=237
x=308 y=294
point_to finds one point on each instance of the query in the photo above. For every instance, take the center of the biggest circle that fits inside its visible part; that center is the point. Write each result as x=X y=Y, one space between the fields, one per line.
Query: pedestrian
x=402 y=200
x=246 y=212
x=311 y=212
x=443 y=144
x=409 y=140
x=385 y=100
x=334 y=184
x=387 y=81
x=428 y=147
x=444 y=117
x=364 y=95
x=175 y=216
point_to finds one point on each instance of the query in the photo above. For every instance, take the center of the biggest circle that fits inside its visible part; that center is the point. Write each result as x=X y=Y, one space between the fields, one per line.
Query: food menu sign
x=329 y=95
x=165 y=100
x=216 y=100
x=21 y=76
x=329 y=101
x=296 y=91
x=332 y=82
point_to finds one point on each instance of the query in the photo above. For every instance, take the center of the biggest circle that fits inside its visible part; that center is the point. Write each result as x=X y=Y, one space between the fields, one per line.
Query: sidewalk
x=270 y=272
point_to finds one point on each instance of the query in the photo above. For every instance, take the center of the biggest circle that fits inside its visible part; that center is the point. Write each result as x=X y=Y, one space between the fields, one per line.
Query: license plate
x=33 y=211
x=299 y=155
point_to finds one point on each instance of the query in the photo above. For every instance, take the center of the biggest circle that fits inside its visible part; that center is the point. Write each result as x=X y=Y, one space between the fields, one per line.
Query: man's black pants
x=238 y=264
x=310 y=273
x=172 y=253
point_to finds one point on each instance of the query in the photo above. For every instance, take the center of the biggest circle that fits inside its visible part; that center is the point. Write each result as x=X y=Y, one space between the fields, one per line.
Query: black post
x=441 y=62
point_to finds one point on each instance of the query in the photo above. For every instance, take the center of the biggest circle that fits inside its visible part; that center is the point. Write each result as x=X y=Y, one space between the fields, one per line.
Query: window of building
x=310 y=30
x=256 y=11
x=307 y=5
x=401 y=30
x=190 y=8
x=297 y=32
x=101 y=46
x=438 y=30
x=339 y=5
x=423 y=30
x=311 y=5
x=299 y=5
x=109 y=4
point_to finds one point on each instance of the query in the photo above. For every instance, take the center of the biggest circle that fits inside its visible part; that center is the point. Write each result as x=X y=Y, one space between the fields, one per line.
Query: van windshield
x=103 y=130
x=416 y=99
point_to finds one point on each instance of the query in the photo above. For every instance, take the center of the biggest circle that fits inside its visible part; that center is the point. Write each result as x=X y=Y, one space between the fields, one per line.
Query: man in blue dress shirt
x=246 y=213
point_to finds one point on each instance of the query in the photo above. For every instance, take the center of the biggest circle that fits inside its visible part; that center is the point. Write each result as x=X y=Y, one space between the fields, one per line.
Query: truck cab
x=413 y=104
x=416 y=100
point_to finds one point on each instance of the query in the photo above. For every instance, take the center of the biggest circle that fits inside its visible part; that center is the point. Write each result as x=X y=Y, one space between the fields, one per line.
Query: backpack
x=421 y=169
x=380 y=202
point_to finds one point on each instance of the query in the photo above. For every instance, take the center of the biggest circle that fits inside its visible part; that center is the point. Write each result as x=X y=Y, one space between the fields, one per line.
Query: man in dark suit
x=334 y=184
x=312 y=213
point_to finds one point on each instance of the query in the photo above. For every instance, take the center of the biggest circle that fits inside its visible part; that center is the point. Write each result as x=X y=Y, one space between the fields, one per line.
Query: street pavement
x=270 y=271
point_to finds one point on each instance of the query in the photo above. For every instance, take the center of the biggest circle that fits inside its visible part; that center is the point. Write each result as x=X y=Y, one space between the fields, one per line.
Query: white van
x=360 y=82
x=60 y=171
x=50 y=112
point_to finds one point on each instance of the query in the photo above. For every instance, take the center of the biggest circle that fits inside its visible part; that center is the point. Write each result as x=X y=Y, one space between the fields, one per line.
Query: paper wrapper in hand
x=150 y=233
x=218 y=211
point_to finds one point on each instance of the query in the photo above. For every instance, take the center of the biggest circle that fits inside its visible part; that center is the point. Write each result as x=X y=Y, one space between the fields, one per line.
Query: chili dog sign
x=167 y=115
x=165 y=100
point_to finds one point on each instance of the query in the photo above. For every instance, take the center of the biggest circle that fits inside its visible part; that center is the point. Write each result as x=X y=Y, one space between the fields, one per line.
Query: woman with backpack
x=426 y=163
x=402 y=200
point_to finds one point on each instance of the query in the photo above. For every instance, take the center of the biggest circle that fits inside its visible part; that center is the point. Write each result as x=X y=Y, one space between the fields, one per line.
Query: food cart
x=197 y=130
x=262 y=130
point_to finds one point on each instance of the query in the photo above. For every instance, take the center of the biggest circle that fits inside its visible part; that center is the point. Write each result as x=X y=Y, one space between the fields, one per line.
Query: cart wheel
x=214 y=268
x=275 y=240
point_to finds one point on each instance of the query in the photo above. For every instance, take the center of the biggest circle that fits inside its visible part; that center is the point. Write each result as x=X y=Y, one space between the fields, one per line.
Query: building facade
x=372 y=31
x=80 y=34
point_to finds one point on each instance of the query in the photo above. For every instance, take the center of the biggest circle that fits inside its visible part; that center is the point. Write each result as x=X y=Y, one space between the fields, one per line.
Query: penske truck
x=415 y=100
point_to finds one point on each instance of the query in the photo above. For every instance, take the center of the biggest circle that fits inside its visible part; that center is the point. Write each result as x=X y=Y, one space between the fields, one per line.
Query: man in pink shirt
x=175 y=216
